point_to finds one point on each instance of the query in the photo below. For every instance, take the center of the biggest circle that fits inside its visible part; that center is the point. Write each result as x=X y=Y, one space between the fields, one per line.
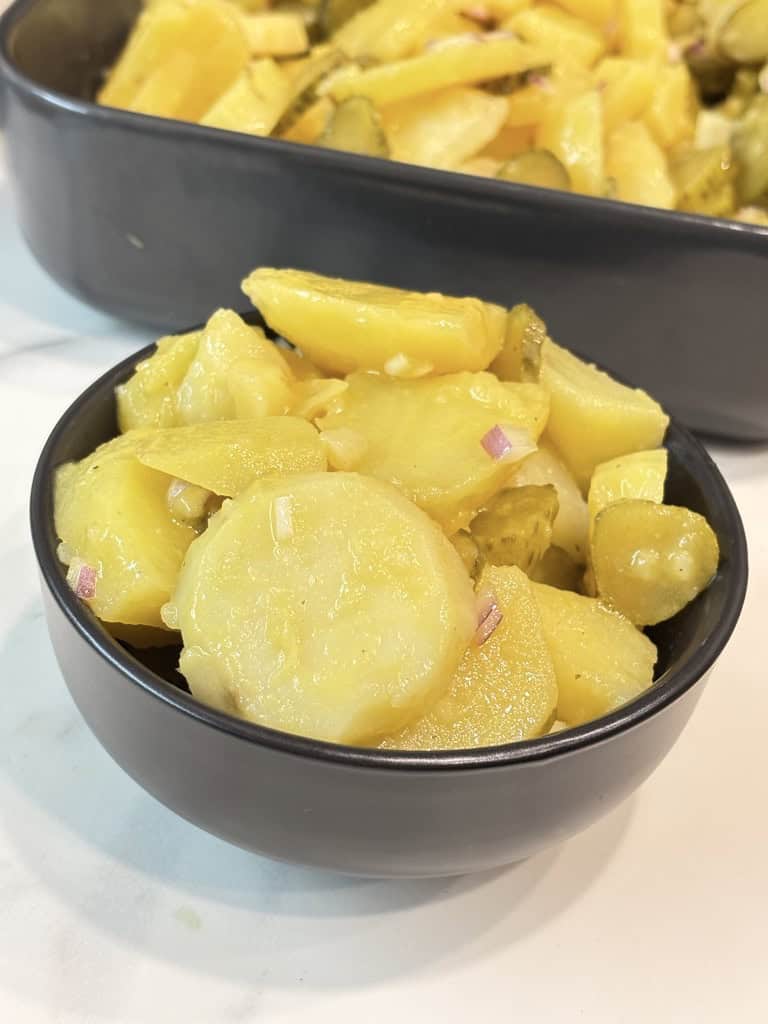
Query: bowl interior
x=688 y=644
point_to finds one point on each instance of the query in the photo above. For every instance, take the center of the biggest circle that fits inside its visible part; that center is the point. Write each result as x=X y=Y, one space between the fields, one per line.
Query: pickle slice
x=355 y=127
x=704 y=180
x=750 y=147
x=314 y=69
x=520 y=356
x=557 y=569
x=651 y=560
x=516 y=527
x=536 y=167
x=469 y=552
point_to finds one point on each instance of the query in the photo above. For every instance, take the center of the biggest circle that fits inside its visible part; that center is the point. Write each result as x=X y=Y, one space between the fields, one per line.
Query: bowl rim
x=457 y=184
x=668 y=688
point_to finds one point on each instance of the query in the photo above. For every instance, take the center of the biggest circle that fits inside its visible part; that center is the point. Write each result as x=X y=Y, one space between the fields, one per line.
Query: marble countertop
x=112 y=909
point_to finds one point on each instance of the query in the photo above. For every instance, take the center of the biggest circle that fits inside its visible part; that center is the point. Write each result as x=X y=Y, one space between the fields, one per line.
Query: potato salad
x=411 y=520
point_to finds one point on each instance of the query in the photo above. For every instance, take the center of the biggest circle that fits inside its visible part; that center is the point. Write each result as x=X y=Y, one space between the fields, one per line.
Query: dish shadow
x=131 y=871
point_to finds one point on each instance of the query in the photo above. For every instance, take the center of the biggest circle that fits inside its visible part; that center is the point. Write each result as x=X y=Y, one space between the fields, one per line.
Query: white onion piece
x=282 y=518
x=82 y=579
x=510 y=444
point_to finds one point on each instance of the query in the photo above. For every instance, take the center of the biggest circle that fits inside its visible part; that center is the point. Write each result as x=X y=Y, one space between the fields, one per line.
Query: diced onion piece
x=489 y=615
x=344 y=447
x=282 y=518
x=401 y=365
x=508 y=443
x=169 y=613
x=81 y=577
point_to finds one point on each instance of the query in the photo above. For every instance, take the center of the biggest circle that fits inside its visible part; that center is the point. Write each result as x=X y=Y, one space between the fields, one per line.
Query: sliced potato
x=503 y=691
x=344 y=326
x=651 y=560
x=388 y=29
x=593 y=418
x=178 y=60
x=601 y=660
x=457 y=62
x=570 y=529
x=516 y=526
x=111 y=515
x=671 y=113
x=148 y=398
x=235 y=374
x=445 y=128
x=276 y=34
x=323 y=604
x=254 y=103
x=640 y=475
x=642 y=29
x=563 y=37
x=573 y=133
x=637 y=165
x=226 y=456
x=425 y=436
x=627 y=87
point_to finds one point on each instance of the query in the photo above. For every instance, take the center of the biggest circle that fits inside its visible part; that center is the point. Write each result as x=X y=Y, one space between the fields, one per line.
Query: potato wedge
x=651 y=560
x=570 y=529
x=254 y=103
x=425 y=436
x=638 y=167
x=601 y=660
x=324 y=604
x=593 y=418
x=573 y=132
x=344 y=326
x=503 y=691
x=639 y=475
x=228 y=455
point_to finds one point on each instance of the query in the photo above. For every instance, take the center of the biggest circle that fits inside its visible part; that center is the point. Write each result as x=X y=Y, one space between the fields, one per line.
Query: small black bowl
x=157 y=220
x=373 y=812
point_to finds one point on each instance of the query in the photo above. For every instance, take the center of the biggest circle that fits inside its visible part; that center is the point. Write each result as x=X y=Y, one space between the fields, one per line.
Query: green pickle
x=744 y=36
x=355 y=127
x=520 y=356
x=558 y=569
x=316 y=70
x=750 y=147
x=469 y=552
x=705 y=181
x=516 y=528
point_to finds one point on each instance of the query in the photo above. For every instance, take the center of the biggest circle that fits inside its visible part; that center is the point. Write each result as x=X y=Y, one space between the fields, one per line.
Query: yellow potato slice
x=276 y=34
x=671 y=113
x=388 y=30
x=638 y=167
x=326 y=605
x=561 y=36
x=593 y=418
x=228 y=455
x=503 y=691
x=639 y=475
x=148 y=398
x=627 y=87
x=255 y=101
x=601 y=660
x=424 y=436
x=456 y=62
x=573 y=132
x=642 y=29
x=179 y=59
x=651 y=560
x=443 y=129
x=345 y=325
x=236 y=374
x=111 y=515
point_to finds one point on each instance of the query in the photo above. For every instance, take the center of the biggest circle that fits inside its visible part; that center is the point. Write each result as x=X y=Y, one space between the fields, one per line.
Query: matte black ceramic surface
x=158 y=221
x=378 y=812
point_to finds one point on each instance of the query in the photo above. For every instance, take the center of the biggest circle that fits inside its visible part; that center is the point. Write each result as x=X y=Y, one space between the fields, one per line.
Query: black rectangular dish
x=158 y=221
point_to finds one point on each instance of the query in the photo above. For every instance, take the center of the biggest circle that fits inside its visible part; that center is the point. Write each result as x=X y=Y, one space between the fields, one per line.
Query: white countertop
x=112 y=909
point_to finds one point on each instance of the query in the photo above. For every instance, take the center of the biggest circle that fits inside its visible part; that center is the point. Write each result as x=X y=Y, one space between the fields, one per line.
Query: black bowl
x=156 y=220
x=372 y=812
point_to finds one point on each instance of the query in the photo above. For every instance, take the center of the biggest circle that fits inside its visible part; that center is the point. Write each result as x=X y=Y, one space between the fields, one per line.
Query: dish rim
x=668 y=688
x=469 y=187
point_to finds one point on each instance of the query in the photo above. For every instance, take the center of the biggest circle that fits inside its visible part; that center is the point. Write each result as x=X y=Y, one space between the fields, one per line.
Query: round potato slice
x=324 y=604
x=650 y=560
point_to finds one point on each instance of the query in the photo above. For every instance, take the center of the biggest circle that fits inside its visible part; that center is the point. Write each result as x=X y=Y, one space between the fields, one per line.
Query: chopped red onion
x=82 y=579
x=489 y=615
x=508 y=443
